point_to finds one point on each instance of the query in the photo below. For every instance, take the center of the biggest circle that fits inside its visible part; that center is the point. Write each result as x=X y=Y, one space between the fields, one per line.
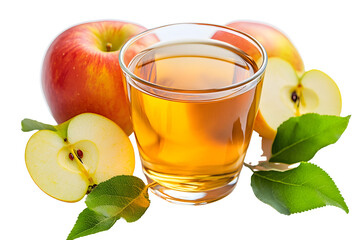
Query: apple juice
x=189 y=138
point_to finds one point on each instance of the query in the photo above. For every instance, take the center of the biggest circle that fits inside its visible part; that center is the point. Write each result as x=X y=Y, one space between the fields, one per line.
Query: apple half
x=285 y=95
x=69 y=160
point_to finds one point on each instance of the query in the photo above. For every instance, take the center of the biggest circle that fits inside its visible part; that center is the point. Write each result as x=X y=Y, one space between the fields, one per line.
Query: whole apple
x=81 y=72
x=275 y=42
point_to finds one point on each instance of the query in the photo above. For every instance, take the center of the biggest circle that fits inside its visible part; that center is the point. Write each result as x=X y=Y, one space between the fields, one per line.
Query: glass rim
x=254 y=77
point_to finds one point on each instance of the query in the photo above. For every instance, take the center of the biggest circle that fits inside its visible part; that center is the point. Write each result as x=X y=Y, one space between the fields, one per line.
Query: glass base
x=192 y=197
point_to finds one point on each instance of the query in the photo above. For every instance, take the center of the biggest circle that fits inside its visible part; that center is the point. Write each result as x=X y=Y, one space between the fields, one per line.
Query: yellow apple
x=286 y=95
x=75 y=156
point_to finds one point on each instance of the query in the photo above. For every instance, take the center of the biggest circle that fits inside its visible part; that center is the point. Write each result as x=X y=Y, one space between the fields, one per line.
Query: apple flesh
x=94 y=150
x=276 y=43
x=81 y=72
x=285 y=95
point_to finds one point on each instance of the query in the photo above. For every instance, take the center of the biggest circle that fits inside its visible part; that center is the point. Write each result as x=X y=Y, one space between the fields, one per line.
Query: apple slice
x=68 y=160
x=285 y=95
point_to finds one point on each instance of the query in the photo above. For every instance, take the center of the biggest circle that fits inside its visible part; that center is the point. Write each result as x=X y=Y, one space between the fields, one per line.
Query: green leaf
x=299 y=138
x=300 y=189
x=90 y=222
x=28 y=125
x=119 y=197
x=123 y=196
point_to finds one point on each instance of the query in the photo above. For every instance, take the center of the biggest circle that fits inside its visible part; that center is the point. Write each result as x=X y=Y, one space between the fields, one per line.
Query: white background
x=326 y=33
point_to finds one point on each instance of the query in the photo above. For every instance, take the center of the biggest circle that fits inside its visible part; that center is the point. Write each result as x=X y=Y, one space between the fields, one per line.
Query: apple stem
x=90 y=188
x=108 y=47
x=269 y=166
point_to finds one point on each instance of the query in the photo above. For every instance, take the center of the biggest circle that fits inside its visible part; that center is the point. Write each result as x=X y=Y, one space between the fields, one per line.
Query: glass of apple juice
x=194 y=91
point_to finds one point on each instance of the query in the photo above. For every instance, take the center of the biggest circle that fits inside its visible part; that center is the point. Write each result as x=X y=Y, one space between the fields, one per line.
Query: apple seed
x=71 y=156
x=80 y=153
x=294 y=96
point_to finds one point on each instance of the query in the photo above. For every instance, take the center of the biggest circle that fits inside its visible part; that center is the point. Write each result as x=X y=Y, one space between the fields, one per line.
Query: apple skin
x=80 y=75
x=274 y=41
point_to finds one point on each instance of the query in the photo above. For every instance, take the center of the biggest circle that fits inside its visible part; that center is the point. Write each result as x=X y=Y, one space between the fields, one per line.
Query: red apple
x=287 y=91
x=275 y=42
x=81 y=72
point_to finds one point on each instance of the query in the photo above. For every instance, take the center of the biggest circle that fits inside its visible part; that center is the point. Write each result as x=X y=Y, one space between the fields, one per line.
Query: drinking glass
x=193 y=92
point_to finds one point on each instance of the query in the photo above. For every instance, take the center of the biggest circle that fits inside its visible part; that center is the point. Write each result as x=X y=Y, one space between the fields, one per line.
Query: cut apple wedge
x=285 y=95
x=68 y=160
